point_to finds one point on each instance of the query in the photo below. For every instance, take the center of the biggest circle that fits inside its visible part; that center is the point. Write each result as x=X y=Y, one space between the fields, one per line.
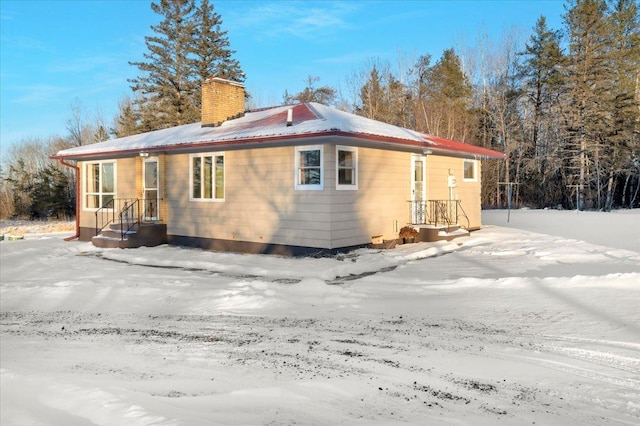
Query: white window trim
x=100 y=193
x=213 y=199
x=475 y=171
x=296 y=169
x=347 y=187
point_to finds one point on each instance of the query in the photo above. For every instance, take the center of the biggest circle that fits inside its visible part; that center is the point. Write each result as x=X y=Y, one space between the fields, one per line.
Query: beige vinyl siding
x=379 y=205
x=126 y=185
x=438 y=169
x=260 y=203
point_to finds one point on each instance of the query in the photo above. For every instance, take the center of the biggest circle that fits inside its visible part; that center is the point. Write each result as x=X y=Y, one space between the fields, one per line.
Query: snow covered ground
x=506 y=326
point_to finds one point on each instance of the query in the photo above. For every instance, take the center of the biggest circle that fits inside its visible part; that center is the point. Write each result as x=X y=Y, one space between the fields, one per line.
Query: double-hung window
x=346 y=168
x=207 y=177
x=308 y=166
x=99 y=184
x=469 y=171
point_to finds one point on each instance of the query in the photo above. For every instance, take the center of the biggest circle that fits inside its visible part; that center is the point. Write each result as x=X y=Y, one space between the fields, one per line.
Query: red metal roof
x=453 y=146
x=312 y=123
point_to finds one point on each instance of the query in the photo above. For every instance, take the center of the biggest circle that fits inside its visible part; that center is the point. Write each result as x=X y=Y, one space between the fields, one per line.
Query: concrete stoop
x=145 y=234
x=431 y=233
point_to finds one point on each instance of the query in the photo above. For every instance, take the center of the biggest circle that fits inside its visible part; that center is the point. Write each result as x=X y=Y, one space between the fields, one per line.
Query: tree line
x=563 y=105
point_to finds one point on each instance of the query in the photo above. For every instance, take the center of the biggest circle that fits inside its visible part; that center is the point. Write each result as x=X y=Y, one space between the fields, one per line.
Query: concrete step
x=148 y=235
x=112 y=233
x=439 y=233
x=106 y=242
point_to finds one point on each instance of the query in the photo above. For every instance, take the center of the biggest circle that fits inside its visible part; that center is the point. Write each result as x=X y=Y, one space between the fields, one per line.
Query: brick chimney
x=222 y=100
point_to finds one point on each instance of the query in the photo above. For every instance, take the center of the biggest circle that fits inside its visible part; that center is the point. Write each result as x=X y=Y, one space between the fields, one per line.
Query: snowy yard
x=537 y=325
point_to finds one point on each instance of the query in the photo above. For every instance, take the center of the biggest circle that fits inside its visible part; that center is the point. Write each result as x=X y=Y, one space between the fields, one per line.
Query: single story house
x=291 y=179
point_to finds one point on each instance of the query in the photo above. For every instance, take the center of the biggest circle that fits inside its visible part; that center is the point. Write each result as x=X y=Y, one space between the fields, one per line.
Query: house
x=290 y=179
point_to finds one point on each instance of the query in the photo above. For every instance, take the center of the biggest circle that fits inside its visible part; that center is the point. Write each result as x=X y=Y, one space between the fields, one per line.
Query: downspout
x=77 y=169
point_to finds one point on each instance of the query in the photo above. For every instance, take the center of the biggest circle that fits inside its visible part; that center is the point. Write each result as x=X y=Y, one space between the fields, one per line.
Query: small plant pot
x=409 y=240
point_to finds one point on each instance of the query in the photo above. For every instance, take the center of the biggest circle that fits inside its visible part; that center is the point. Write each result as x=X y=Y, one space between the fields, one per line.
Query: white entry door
x=150 y=190
x=418 y=188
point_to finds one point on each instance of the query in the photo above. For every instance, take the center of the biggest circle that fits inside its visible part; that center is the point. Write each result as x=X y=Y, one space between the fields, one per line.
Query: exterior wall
x=262 y=208
x=128 y=175
x=380 y=204
x=260 y=204
x=468 y=192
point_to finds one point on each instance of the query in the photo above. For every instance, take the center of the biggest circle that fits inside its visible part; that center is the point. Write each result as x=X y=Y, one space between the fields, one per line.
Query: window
x=346 y=168
x=469 y=172
x=309 y=168
x=99 y=184
x=207 y=177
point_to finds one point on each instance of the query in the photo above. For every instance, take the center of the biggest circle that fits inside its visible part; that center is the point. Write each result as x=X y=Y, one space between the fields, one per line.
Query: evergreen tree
x=446 y=95
x=622 y=148
x=127 y=122
x=188 y=46
x=372 y=97
x=166 y=86
x=588 y=77
x=542 y=77
x=49 y=194
x=384 y=97
x=211 y=47
x=542 y=80
x=323 y=95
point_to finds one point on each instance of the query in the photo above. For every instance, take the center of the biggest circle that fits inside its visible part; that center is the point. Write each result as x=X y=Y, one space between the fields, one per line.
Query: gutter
x=77 y=169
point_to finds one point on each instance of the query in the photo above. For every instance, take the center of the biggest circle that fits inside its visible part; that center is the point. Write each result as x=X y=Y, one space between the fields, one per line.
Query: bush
x=408 y=232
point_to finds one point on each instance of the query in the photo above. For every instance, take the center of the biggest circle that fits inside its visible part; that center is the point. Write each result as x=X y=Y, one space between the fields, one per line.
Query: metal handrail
x=106 y=215
x=129 y=216
x=108 y=210
x=462 y=214
x=438 y=212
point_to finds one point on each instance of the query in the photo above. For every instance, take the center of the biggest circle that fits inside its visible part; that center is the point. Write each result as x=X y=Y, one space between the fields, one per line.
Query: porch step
x=441 y=233
x=146 y=234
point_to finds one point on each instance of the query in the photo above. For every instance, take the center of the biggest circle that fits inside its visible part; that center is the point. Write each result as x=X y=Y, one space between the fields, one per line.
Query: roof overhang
x=426 y=147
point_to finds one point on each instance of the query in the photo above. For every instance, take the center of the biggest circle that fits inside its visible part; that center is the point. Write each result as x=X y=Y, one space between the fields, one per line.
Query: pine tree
x=323 y=95
x=446 y=95
x=622 y=148
x=166 y=86
x=127 y=122
x=188 y=46
x=372 y=97
x=542 y=79
x=211 y=47
x=588 y=77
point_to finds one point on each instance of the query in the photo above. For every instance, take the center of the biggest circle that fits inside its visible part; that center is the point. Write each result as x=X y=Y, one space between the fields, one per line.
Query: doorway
x=150 y=190
x=418 y=189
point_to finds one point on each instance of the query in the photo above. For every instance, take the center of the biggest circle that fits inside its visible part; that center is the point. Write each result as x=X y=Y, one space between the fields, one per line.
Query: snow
x=509 y=325
x=328 y=120
x=259 y=126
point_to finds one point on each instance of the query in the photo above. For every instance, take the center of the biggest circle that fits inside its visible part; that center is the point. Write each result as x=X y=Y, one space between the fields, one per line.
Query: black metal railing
x=129 y=217
x=438 y=213
x=125 y=210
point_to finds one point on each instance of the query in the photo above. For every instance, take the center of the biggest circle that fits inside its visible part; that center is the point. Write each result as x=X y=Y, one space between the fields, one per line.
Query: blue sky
x=56 y=53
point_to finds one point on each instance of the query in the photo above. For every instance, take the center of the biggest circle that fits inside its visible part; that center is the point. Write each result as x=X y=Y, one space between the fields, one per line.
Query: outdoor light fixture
x=144 y=154
x=427 y=152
